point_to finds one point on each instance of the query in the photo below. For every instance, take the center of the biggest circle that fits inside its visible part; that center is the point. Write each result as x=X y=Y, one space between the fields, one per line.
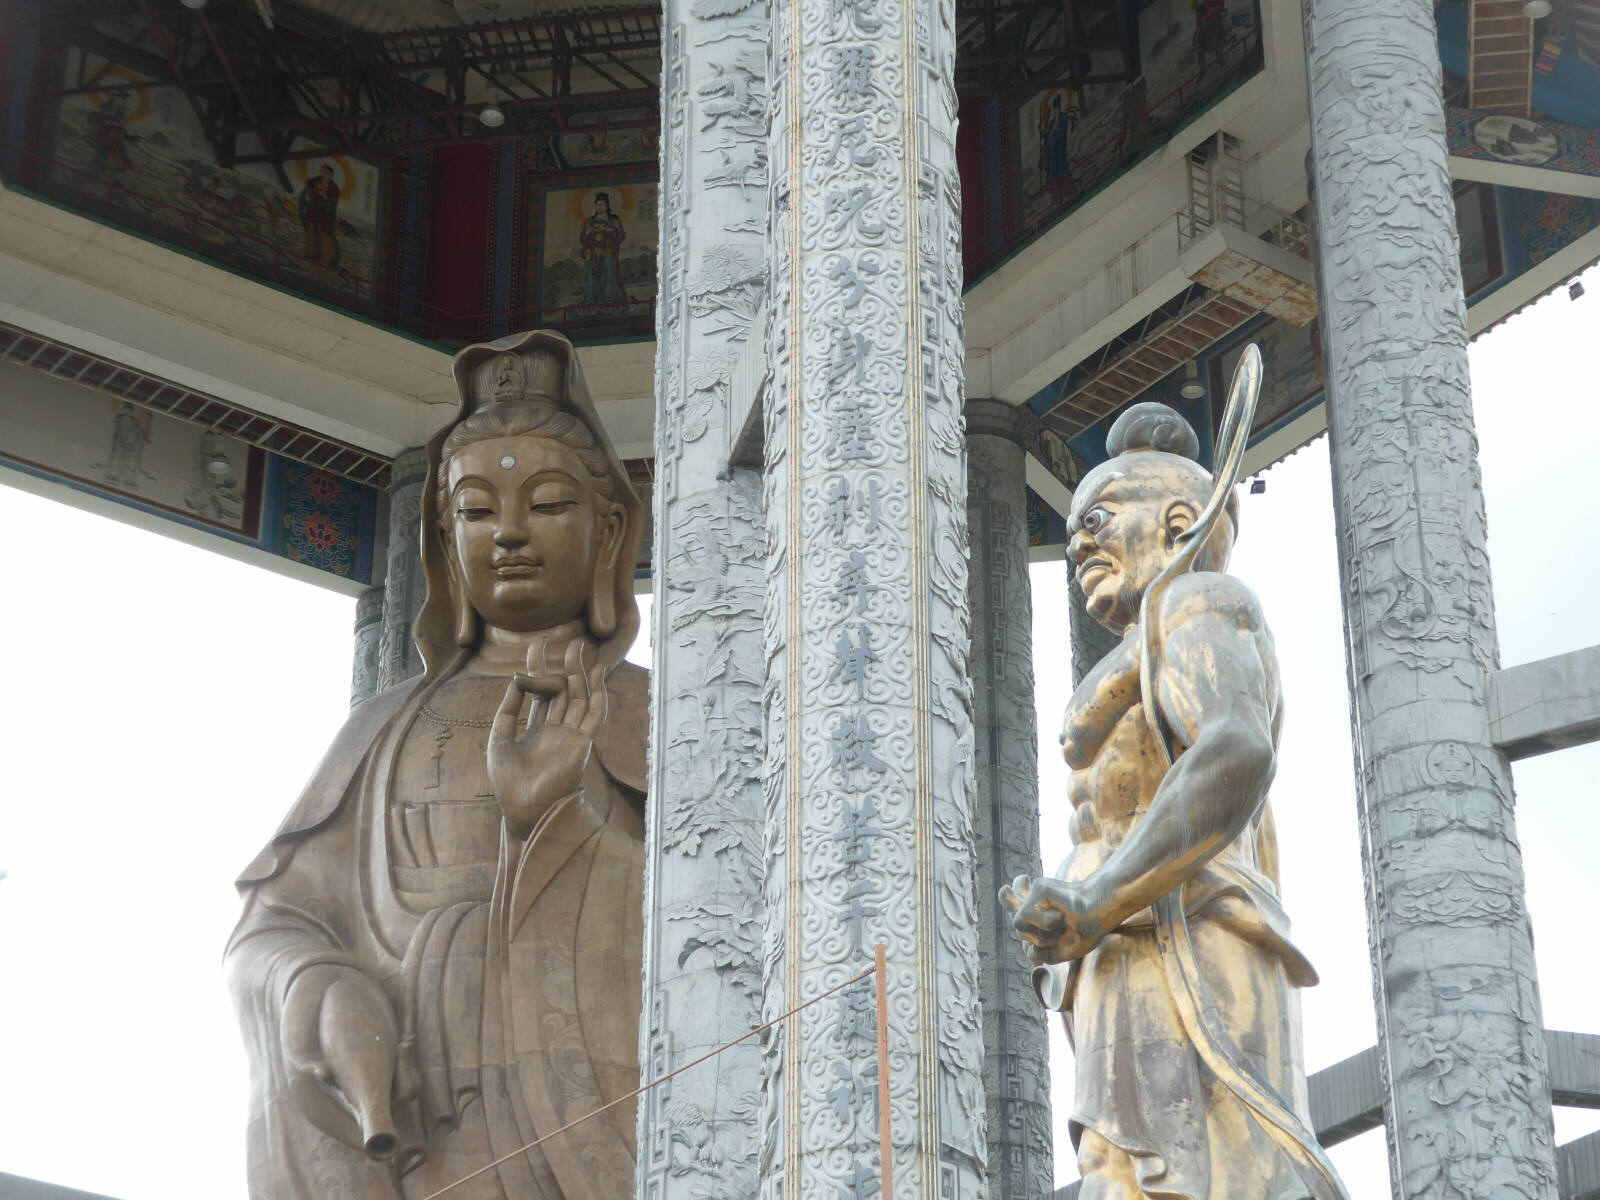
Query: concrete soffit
x=1042 y=312
x=175 y=317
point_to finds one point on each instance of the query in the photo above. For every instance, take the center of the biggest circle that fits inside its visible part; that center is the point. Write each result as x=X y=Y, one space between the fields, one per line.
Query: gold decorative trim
x=793 y=541
x=927 y=967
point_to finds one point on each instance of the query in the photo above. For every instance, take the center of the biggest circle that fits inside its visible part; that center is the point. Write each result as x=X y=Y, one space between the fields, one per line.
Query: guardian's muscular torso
x=1116 y=765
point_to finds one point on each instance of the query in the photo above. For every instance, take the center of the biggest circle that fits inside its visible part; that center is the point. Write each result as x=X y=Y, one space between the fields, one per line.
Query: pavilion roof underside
x=396 y=74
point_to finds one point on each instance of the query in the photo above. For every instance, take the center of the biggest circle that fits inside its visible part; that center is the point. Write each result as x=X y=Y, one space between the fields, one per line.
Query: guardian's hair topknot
x=1152 y=426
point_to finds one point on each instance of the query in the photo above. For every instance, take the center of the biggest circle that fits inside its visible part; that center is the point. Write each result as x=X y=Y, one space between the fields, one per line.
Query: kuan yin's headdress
x=526 y=373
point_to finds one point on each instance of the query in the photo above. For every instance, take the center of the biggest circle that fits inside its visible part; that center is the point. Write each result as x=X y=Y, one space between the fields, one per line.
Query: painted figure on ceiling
x=438 y=960
x=601 y=243
x=1210 y=31
x=319 y=217
x=108 y=126
x=130 y=434
x=1055 y=154
x=214 y=491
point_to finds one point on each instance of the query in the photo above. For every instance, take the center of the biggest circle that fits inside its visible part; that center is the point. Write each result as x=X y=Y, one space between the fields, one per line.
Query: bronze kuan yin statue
x=438 y=959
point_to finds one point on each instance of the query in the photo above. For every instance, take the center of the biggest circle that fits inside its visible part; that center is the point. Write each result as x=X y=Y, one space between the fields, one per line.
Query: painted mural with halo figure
x=598 y=254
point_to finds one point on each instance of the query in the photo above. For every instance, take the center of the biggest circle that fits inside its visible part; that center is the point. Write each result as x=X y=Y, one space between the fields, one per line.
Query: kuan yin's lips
x=514 y=568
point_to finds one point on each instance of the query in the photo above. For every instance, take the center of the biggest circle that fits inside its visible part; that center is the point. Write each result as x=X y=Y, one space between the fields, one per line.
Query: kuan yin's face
x=526 y=531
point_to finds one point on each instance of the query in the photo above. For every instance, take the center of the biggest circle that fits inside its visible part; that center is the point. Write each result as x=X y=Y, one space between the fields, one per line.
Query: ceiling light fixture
x=196 y=5
x=1192 y=388
x=1535 y=9
x=491 y=116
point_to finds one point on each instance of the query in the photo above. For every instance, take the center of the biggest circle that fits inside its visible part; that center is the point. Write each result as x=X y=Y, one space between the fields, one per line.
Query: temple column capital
x=994 y=418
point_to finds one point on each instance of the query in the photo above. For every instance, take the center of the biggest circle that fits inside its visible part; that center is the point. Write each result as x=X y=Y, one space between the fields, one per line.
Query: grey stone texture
x=1546 y=705
x=1016 y=1050
x=1460 y=1038
x=702 y=968
x=368 y=635
x=868 y=695
x=403 y=584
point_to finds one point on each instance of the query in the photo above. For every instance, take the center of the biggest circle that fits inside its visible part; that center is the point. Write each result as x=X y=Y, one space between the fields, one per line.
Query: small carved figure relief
x=1162 y=940
x=214 y=491
x=130 y=433
x=439 y=954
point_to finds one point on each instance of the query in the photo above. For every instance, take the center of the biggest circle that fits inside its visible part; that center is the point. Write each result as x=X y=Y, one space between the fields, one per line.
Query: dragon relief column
x=368 y=636
x=868 y=698
x=403 y=584
x=702 y=967
x=1016 y=1059
x=1460 y=1041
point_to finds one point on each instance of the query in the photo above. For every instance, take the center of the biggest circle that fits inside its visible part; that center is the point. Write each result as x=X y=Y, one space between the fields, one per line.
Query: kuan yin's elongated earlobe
x=466 y=616
x=603 y=598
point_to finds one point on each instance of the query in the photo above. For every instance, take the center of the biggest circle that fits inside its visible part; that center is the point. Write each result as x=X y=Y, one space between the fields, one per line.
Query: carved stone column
x=1016 y=1048
x=1460 y=1038
x=368 y=633
x=868 y=701
x=702 y=969
x=403 y=584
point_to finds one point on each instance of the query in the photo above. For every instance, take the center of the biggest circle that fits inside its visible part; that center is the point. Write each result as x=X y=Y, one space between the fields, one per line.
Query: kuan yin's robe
x=512 y=965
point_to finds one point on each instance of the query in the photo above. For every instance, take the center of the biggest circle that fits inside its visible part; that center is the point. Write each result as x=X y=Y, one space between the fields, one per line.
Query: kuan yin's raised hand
x=539 y=760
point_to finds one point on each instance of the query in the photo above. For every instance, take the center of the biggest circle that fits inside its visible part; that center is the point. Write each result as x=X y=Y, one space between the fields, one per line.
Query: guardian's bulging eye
x=1094 y=520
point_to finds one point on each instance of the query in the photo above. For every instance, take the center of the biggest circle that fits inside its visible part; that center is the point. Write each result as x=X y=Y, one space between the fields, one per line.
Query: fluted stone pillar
x=1016 y=1049
x=368 y=633
x=1460 y=1040
x=868 y=696
x=403 y=584
x=702 y=964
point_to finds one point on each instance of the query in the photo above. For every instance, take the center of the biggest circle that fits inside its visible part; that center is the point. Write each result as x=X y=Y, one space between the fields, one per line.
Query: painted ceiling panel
x=386 y=15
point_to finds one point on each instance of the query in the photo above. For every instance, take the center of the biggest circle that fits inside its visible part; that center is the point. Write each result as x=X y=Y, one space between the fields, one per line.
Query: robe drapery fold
x=506 y=1030
x=1139 y=1080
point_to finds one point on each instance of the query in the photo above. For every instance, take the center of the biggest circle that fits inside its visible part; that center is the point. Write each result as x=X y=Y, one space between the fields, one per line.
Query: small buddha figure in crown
x=438 y=959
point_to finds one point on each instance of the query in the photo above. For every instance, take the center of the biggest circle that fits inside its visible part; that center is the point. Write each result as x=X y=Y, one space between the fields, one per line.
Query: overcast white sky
x=163 y=705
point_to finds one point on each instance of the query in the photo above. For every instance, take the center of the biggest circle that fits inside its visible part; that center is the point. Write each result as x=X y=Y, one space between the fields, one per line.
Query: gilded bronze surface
x=438 y=959
x=1162 y=940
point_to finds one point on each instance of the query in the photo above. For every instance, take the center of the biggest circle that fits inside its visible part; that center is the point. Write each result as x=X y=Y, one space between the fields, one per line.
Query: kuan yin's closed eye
x=552 y=496
x=473 y=502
